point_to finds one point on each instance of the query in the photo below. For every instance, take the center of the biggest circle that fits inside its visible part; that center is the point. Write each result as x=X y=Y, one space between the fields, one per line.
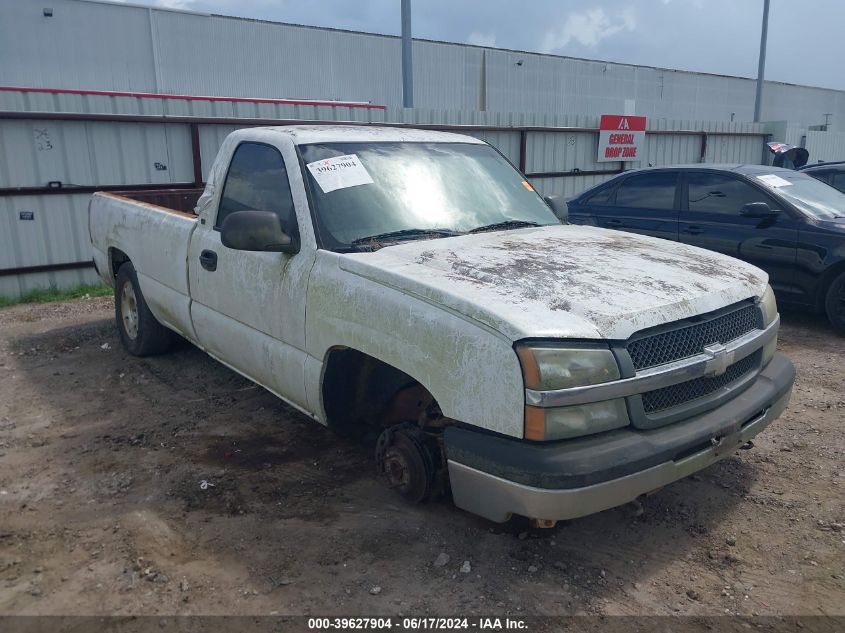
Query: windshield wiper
x=403 y=234
x=507 y=224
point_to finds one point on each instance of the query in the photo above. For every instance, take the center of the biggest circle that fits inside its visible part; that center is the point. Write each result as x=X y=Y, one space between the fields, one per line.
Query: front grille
x=690 y=340
x=684 y=392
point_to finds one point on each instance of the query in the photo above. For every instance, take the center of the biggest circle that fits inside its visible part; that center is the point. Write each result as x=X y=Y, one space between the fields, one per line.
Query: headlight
x=770 y=313
x=546 y=367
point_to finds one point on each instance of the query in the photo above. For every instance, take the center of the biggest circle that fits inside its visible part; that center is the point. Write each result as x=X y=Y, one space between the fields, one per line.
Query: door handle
x=614 y=222
x=694 y=230
x=208 y=260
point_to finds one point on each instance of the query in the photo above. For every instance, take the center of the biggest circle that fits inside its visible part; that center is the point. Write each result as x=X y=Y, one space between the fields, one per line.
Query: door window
x=601 y=197
x=838 y=181
x=648 y=191
x=716 y=193
x=257 y=180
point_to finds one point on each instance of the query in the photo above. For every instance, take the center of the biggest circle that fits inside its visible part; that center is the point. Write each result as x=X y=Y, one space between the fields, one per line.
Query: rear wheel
x=140 y=333
x=835 y=303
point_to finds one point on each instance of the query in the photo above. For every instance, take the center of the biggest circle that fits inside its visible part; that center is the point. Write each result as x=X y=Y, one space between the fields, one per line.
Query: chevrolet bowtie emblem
x=718 y=362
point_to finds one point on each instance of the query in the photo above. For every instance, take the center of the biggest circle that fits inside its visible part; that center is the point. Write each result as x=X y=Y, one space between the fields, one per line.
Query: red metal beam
x=574 y=172
x=196 y=156
x=523 y=150
x=160 y=95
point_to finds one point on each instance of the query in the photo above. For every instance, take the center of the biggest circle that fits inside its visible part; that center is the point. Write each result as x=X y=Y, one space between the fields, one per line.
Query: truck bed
x=165 y=219
x=183 y=200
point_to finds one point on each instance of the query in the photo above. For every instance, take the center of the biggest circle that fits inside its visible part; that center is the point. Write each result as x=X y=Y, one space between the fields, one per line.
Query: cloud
x=482 y=39
x=173 y=4
x=588 y=28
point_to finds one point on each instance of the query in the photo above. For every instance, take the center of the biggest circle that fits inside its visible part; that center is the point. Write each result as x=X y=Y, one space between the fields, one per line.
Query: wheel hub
x=405 y=463
x=396 y=469
x=129 y=310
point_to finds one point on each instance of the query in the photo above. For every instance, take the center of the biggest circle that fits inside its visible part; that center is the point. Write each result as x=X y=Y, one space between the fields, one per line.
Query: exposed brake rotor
x=405 y=459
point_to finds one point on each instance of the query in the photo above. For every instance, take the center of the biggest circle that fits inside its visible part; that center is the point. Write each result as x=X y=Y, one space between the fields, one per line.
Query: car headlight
x=546 y=367
x=770 y=313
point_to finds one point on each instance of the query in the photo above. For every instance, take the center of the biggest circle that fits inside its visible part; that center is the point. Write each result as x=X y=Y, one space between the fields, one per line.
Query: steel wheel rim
x=129 y=310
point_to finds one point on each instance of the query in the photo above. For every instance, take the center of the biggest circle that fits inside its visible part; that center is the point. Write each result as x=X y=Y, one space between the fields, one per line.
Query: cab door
x=645 y=203
x=248 y=308
x=711 y=217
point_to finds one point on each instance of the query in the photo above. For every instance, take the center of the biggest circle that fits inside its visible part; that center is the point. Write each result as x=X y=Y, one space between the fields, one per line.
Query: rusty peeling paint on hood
x=563 y=281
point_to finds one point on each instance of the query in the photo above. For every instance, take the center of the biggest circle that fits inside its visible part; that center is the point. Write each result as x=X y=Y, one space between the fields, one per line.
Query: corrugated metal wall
x=34 y=153
x=46 y=230
x=825 y=146
x=114 y=47
x=57 y=234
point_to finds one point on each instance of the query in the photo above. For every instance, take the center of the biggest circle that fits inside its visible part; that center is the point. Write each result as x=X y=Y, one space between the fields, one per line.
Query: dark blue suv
x=783 y=221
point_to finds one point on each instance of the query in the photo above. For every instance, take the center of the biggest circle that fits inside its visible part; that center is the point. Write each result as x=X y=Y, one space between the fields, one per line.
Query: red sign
x=621 y=137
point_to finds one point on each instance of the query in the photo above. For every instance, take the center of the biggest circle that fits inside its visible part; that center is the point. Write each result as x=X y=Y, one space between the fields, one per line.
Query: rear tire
x=834 y=303
x=140 y=333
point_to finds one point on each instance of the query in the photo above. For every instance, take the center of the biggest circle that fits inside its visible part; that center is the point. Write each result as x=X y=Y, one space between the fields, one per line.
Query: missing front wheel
x=409 y=460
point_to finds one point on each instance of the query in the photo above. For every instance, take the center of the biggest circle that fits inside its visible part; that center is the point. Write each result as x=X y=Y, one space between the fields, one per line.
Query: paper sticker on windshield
x=774 y=181
x=339 y=172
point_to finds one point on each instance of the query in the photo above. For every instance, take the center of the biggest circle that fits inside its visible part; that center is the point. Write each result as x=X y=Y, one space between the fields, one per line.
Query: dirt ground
x=103 y=509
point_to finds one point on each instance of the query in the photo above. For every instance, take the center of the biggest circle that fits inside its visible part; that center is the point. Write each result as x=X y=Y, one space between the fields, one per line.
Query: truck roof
x=307 y=134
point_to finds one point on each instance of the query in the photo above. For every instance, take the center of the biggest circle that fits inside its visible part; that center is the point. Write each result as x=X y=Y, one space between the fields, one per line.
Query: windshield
x=423 y=190
x=811 y=196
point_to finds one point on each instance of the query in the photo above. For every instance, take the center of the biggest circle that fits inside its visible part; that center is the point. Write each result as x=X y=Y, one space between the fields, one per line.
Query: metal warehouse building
x=97 y=95
x=95 y=45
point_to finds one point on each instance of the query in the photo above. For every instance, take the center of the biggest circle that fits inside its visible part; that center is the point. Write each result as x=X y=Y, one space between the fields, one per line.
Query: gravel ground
x=171 y=485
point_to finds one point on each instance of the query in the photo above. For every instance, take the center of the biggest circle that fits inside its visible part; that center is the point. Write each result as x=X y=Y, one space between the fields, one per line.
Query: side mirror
x=256 y=231
x=758 y=210
x=559 y=207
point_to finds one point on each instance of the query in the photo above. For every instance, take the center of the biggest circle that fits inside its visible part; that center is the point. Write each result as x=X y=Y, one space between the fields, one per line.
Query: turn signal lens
x=562 y=423
x=770 y=313
x=769 y=305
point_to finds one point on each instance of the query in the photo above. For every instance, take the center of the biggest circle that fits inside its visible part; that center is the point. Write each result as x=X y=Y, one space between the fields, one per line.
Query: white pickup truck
x=414 y=283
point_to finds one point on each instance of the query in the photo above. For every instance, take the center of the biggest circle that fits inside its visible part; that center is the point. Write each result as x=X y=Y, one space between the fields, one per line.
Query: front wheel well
x=361 y=390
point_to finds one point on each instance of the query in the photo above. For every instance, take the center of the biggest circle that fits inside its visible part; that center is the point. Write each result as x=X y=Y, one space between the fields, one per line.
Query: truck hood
x=562 y=281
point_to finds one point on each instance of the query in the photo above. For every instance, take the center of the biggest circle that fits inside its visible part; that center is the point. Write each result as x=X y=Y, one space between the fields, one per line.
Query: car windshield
x=811 y=196
x=399 y=191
